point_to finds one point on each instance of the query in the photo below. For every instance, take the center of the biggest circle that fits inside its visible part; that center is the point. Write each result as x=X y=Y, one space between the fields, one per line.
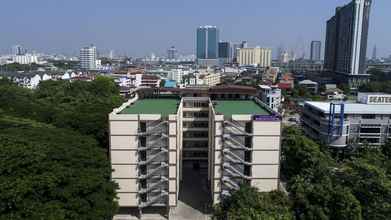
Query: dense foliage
x=249 y=204
x=82 y=106
x=53 y=162
x=14 y=67
x=379 y=82
x=359 y=187
x=52 y=173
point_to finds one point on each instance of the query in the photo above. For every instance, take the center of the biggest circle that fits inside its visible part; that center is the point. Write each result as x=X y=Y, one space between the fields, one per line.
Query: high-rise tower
x=207 y=44
x=346 y=38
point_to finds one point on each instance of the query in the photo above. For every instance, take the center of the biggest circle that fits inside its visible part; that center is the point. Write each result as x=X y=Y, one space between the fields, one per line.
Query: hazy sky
x=139 y=27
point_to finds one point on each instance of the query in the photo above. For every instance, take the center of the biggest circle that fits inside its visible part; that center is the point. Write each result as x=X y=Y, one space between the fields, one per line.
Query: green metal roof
x=239 y=107
x=162 y=106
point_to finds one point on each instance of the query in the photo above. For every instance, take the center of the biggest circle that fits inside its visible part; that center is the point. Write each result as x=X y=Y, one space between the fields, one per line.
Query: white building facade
x=261 y=57
x=271 y=95
x=88 y=58
x=153 y=149
x=339 y=124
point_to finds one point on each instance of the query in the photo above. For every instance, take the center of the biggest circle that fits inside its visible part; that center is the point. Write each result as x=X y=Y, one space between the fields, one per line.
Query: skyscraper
x=346 y=39
x=207 y=43
x=18 y=50
x=315 y=50
x=374 y=53
x=172 y=53
x=236 y=48
x=225 y=52
x=284 y=57
x=244 y=44
x=88 y=58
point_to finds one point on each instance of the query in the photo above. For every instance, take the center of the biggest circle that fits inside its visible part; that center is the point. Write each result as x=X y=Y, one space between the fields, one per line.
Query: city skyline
x=71 y=31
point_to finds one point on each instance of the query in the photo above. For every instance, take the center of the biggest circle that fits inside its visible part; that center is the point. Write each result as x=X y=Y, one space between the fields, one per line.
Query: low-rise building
x=287 y=82
x=25 y=59
x=309 y=85
x=271 y=95
x=342 y=124
x=211 y=79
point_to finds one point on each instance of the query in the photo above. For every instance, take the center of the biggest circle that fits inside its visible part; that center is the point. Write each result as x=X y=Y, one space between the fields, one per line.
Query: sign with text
x=379 y=100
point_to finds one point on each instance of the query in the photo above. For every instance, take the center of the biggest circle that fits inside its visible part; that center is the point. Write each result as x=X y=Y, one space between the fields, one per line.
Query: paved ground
x=194 y=200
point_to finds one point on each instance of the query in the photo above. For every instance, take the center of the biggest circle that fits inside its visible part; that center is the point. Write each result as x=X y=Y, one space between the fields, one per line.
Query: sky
x=141 y=27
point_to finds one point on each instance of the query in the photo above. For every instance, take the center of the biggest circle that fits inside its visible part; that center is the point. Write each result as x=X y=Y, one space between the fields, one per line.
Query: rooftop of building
x=239 y=107
x=161 y=106
x=308 y=82
x=353 y=108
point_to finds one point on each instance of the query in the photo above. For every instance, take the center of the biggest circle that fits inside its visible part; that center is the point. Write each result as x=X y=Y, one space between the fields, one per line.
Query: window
x=143 y=126
x=368 y=116
x=247 y=170
x=370 y=130
x=196 y=134
x=196 y=154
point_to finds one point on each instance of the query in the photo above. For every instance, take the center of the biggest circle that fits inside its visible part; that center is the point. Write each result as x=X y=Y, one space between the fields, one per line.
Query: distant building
x=244 y=44
x=34 y=82
x=18 y=50
x=225 y=54
x=88 y=57
x=172 y=53
x=374 y=53
x=366 y=122
x=346 y=40
x=211 y=79
x=271 y=96
x=25 y=59
x=207 y=45
x=311 y=86
x=271 y=74
x=301 y=66
x=111 y=54
x=284 y=57
x=316 y=47
x=175 y=75
x=261 y=57
x=287 y=82
x=236 y=48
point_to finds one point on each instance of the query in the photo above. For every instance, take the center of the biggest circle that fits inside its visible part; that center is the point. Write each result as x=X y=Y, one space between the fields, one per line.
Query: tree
x=249 y=204
x=370 y=185
x=301 y=155
x=81 y=106
x=344 y=205
x=386 y=150
x=312 y=184
x=51 y=173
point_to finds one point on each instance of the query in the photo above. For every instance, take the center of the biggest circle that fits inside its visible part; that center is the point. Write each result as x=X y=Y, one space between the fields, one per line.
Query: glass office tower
x=207 y=42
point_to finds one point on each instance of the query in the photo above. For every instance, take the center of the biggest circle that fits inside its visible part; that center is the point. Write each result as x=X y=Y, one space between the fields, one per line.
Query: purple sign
x=272 y=117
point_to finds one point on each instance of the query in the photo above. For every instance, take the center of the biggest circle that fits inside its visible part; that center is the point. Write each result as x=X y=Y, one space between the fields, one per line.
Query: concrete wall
x=216 y=128
x=266 y=155
x=173 y=159
x=124 y=142
x=124 y=157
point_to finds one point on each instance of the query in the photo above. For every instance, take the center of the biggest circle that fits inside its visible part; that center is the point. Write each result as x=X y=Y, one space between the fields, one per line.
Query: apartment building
x=210 y=79
x=271 y=96
x=261 y=57
x=343 y=124
x=158 y=140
